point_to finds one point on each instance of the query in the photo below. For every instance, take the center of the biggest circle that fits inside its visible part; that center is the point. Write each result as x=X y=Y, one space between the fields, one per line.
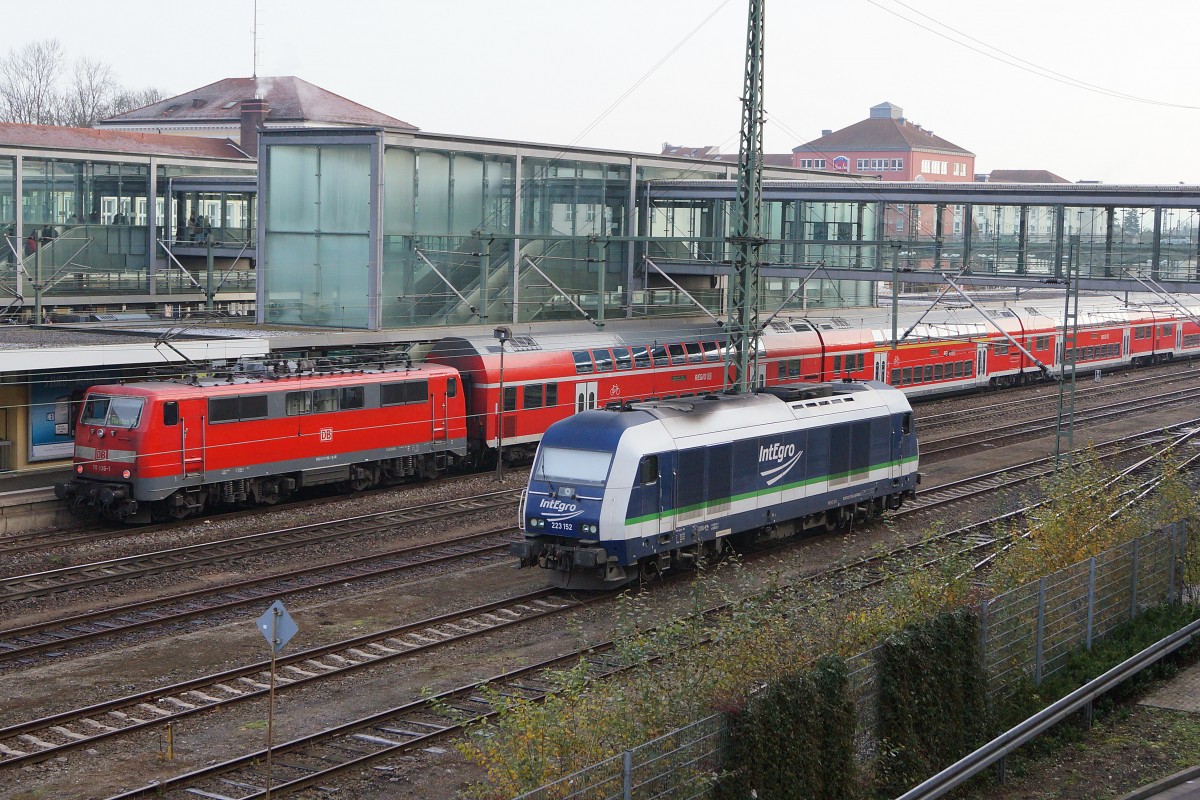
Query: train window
x=712 y=351
x=624 y=360
x=171 y=413
x=532 y=396
x=1043 y=343
x=837 y=364
x=252 y=406
x=794 y=368
x=968 y=368
x=648 y=470
x=452 y=387
x=583 y=362
x=603 y=359
x=298 y=403
x=895 y=380
x=352 y=396
x=677 y=354
x=958 y=369
x=781 y=370
x=1000 y=348
x=1168 y=330
x=551 y=395
x=695 y=355
x=906 y=424
x=324 y=400
x=928 y=372
x=937 y=372
x=917 y=373
x=641 y=357
x=510 y=398
x=907 y=379
x=395 y=394
x=220 y=409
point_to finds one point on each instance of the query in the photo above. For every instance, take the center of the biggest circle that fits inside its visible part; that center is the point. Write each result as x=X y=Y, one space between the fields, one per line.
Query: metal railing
x=1024 y=633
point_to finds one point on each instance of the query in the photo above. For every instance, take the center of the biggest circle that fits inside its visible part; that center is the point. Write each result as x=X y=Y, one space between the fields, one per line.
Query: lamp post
x=502 y=335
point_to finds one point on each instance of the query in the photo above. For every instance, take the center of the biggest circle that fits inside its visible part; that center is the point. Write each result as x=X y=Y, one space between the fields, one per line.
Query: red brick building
x=888 y=146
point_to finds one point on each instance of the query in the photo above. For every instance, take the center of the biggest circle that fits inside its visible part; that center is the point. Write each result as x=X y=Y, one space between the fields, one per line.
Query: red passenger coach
x=548 y=377
x=169 y=449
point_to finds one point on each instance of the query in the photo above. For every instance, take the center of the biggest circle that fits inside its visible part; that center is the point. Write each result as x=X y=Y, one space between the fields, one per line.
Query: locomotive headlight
x=589 y=528
x=79 y=468
x=126 y=474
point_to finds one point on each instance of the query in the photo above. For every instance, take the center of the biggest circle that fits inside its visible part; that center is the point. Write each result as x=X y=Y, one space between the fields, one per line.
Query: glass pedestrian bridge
x=89 y=218
x=372 y=229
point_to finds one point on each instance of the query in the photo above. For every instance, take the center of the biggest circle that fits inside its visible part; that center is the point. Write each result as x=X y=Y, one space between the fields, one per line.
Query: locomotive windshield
x=565 y=465
x=113 y=412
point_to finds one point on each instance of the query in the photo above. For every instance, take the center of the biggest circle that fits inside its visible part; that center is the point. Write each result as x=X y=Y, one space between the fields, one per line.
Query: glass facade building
x=368 y=229
x=89 y=228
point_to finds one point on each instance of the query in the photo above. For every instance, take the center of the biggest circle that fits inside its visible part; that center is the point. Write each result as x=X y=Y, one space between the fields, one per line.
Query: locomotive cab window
x=113 y=412
x=452 y=387
x=648 y=470
x=170 y=413
x=906 y=424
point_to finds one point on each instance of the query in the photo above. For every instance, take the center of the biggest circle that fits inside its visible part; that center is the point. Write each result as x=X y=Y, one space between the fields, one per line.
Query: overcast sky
x=570 y=72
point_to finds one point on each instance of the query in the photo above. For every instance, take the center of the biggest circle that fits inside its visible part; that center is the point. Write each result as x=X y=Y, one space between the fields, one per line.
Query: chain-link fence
x=1026 y=632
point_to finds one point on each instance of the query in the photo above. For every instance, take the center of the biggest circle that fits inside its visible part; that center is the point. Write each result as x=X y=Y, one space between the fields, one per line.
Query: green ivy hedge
x=795 y=739
x=932 y=700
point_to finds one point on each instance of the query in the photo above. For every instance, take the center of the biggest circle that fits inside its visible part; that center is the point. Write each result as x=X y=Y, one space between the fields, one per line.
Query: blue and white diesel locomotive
x=620 y=495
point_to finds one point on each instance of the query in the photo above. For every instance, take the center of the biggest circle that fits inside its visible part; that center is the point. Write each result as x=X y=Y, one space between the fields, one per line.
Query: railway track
x=401 y=729
x=936 y=449
x=21 y=644
x=20 y=587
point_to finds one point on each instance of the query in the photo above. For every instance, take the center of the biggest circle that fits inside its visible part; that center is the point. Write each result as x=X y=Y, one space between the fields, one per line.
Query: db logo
x=326 y=434
x=102 y=455
x=614 y=390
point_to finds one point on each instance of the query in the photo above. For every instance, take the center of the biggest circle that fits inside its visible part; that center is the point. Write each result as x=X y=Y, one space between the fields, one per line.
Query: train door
x=585 y=395
x=438 y=417
x=1179 y=337
x=881 y=365
x=191 y=436
x=981 y=367
x=1125 y=343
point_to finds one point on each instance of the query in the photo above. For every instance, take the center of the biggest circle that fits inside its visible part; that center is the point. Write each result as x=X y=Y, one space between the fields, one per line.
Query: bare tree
x=28 y=81
x=88 y=97
x=129 y=99
x=32 y=89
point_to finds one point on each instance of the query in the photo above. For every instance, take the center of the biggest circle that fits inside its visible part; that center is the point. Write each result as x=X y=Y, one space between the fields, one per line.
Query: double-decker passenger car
x=618 y=495
x=168 y=449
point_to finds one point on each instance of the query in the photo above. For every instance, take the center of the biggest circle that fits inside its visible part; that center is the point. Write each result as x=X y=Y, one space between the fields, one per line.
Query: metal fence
x=1026 y=632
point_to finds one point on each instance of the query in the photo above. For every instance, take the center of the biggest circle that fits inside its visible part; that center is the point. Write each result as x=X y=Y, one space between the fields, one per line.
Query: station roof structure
x=90 y=140
x=1024 y=176
x=291 y=102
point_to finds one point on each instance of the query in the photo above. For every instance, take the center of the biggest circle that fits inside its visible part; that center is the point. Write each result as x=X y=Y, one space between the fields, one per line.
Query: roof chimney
x=254 y=117
x=826 y=131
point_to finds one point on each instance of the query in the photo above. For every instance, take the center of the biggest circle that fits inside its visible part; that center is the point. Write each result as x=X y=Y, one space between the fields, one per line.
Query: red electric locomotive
x=169 y=449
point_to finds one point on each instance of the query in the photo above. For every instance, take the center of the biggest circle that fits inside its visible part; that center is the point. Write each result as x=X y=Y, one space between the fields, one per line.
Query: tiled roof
x=53 y=137
x=1024 y=176
x=880 y=134
x=290 y=99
